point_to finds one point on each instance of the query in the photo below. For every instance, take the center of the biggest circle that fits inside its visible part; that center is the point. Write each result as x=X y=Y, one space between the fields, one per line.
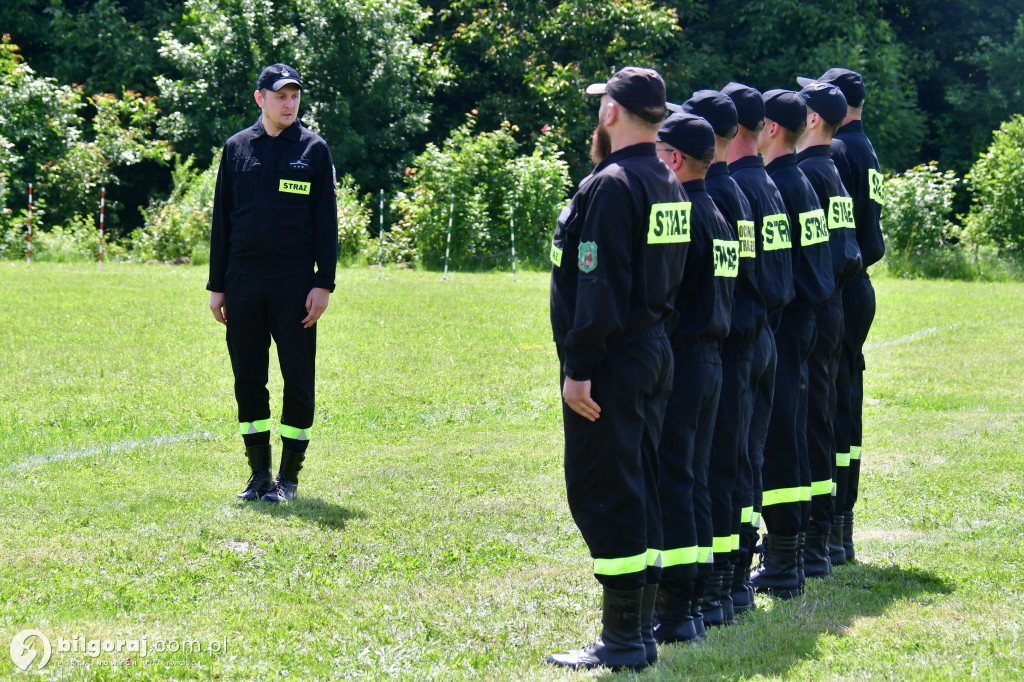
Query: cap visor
x=804 y=82
x=278 y=84
x=673 y=107
x=596 y=88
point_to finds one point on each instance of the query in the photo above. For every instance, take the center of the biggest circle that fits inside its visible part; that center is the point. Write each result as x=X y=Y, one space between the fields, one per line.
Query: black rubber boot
x=742 y=593
x=728 y=607
x=675 y=622
x=620 y=644
x=848 y=535
x=260 y=480
x=816 y=560
x=286 y=485
x=777 y=575
x=647 y=605
x=711 y=601
x=836 y=551
x=695 y=604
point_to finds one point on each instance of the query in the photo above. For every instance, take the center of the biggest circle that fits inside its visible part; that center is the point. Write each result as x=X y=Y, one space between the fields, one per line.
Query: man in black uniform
x=774 y=276
x=274 y=218
x=730 y=457
x=704 y=305
x=861 y=173
x=786 y=502
x=618 y=255
x=826 y=108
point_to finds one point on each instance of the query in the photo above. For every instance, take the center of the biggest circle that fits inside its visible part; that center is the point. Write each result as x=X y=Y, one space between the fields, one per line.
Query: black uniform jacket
x=274 y=211
x=812 y=257
x=771 y=230
x=860 y=172
x=748 y=310
x=817 y=166
x=704 y=299
x=618 y=255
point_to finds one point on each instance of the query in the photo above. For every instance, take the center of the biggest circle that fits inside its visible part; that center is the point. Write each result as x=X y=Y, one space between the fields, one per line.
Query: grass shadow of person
x=770 y=641
x=323 y=513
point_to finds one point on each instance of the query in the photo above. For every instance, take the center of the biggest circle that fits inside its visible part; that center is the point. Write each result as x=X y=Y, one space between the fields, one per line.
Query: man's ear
x=258 y=96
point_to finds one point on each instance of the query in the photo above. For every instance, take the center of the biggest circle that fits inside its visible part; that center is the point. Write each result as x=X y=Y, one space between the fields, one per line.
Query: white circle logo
x=22 y=652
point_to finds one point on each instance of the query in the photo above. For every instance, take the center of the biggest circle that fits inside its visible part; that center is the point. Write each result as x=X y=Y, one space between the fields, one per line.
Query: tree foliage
x=997 y=182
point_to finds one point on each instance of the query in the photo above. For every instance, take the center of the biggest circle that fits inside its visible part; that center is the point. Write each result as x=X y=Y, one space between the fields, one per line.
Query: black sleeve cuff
x=577 y=374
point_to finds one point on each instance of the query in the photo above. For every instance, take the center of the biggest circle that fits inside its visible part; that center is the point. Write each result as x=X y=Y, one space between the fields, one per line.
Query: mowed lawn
x=431 y=539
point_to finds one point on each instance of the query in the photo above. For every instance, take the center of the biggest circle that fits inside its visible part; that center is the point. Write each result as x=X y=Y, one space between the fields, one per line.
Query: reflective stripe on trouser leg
x=607 y=462
x=728 y=441
x=296 y=433
x=258 y=426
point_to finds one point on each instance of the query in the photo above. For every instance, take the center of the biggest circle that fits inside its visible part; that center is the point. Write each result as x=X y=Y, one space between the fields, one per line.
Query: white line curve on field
x=66 y=455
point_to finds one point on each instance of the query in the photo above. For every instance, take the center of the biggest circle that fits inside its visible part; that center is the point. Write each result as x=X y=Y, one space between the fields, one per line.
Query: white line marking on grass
x=66 y=455
x=934 y=330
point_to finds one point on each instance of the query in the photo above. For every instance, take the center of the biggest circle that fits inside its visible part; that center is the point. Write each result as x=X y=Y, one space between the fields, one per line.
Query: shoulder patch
x=588 y=256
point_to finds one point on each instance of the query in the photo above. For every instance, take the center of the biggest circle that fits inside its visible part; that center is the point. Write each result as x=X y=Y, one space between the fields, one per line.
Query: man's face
x=281 y=108
x=600 y=141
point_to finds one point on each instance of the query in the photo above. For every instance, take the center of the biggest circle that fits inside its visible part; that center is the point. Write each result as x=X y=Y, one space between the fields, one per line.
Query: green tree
x=997 y=181
x=920 y=236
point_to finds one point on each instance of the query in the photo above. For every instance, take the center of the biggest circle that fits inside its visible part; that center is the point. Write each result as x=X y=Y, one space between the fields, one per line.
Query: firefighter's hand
x=220 y=311
x=576 y=395
x=316 y=304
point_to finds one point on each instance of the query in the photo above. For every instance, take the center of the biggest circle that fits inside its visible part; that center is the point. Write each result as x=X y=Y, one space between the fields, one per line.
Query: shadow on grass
x=770 y=641
x=312 y=509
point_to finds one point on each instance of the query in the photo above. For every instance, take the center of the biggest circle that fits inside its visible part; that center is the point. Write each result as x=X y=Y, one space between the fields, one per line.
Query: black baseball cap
x=690 y=134
x=826 y=100
x=786 y=108
x=749 y=105
x=637 y=89
x=849 y=82
x=715 y=108
x=276 y=76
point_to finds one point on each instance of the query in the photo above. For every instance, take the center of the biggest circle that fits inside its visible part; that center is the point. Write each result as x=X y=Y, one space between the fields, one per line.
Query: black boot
x=777 y=574
x=816 y=561
x=699 y=586
x=647 y=604
x=836 y=551
x=742 y=593
x=286 y=485
x=620 y=644
x=260 y=481
x=728 y=612
x=711 y=601
x=801 y=547
x=848 y=536
x=675 y=622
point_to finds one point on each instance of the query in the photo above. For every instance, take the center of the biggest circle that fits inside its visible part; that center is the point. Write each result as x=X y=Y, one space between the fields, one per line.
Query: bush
x=353 y=220
x=996 y=179
x=484 y=176
x=179 y=226
x=920 y=239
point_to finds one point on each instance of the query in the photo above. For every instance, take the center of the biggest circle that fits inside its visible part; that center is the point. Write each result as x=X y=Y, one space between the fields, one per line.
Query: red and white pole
x=29 y=259
x=103 y=202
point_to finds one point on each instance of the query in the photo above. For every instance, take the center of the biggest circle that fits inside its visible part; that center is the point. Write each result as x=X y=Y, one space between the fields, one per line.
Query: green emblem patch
x=588 y=256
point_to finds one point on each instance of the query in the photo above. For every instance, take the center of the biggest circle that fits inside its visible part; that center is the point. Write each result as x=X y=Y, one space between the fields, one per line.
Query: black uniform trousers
x=822 y=369
x=786 y=472
x=683 y=459
x=611 y=467
x=762 y=382
x=730 y=464
x=259 y=309
x=858 y=313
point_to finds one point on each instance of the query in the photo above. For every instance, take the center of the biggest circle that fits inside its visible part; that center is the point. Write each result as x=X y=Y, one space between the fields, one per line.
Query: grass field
x=432 y=539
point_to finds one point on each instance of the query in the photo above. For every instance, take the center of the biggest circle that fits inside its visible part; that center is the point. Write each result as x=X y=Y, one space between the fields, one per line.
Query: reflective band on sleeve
x=854 y=452
x=746 y=515
x=722 y=545
x=629 y=564
x=254 y=427
x=669 y=223
x=293 y=187
x=727 y=258
x=679 y=556
x=840 y=213
x=842 y=459
x=780 y=496
x=654 y=558
x=294 y=433
x=813 y=226
x=775 y=232
x=876 y=186
x=821 y=488
x=705 y=555
x=556 y=256
x=745 y=230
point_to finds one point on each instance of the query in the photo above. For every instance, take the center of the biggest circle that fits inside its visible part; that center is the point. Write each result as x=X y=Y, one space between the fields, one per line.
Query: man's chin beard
x=600 y=145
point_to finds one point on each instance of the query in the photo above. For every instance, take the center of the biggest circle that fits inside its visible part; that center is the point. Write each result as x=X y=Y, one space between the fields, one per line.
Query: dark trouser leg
x=248 y=339
x=296 y=351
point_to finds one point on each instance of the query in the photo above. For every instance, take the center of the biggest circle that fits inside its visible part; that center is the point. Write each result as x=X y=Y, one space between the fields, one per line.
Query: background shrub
x=996 y=179
x=180 y=225
x=920 y=238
